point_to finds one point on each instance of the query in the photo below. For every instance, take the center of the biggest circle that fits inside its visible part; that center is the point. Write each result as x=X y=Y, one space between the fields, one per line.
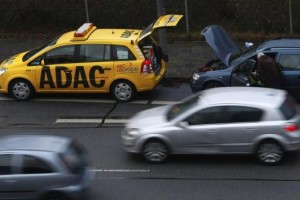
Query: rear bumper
x=292 y=146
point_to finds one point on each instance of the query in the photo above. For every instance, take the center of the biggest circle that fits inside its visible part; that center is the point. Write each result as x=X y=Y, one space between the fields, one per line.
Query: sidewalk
x=184 y=56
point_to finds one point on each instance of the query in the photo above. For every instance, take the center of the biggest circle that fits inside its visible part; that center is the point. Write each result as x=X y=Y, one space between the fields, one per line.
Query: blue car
x=234 y=66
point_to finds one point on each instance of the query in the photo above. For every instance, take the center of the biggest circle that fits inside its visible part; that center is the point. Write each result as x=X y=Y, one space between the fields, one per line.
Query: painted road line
x=76 y=100
x=156 y=102
x=90 y=121
x=164 y=102
x=6 y=99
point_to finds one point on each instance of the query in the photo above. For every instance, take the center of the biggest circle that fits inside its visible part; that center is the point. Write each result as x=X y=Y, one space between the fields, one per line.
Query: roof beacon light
x=84 y=29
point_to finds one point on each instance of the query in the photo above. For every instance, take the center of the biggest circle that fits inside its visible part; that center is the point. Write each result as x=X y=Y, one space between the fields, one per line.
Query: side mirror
x=183 y=124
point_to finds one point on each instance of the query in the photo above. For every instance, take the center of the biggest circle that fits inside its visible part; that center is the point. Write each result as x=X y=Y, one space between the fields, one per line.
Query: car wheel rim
x=123 y=91
x=155 y=152
x=21 y=90
x=270 y=153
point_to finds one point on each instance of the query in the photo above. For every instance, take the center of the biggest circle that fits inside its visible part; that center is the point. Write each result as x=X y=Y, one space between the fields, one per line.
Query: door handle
x=106 y=68
x=10 y=181
x=211 y=132
x=252 y=129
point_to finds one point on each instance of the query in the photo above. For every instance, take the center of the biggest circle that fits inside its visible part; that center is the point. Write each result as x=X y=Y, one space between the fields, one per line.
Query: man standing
x=269 y=72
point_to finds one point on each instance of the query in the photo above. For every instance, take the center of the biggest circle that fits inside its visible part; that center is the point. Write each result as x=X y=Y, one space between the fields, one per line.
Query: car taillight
x=291 y=127
x=146 y=67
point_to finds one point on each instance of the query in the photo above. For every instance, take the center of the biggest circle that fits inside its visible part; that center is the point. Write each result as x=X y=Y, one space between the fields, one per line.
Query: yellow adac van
x=89 y=60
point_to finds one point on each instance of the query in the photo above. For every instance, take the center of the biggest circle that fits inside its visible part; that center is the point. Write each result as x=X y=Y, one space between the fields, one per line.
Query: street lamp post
x=162 y=32
x=87 y=11
x=291 y=16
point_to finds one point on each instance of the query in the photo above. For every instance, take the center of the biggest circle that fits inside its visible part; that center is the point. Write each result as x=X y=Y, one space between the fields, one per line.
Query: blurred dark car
x=234 y=66
x=43 y=167
x=229 y=120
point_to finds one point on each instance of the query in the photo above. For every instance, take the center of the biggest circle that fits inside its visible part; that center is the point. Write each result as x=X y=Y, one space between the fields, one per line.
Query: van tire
x=21 y=89
x=123 y=90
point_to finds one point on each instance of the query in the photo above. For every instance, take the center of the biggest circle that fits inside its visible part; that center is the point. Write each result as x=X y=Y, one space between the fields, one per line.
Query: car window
x=60 y=55
x=289 y=61
x=212 y=115
x=33 y=165
x=122 y=53
x=180 y=108
x=94 y=53
x=246 y=67
x=288 y=108
x=31 y=53
x=235 y=114
x=5 y=164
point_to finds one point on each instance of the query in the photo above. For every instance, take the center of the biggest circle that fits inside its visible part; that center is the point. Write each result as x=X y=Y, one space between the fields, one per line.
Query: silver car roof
x=258 y=96
x=34 y=142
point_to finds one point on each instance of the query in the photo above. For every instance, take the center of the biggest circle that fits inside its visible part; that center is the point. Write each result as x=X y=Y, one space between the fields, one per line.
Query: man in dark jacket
x=269 y=72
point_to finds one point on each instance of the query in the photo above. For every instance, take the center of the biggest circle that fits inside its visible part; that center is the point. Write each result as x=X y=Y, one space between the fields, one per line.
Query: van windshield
x=31 y=53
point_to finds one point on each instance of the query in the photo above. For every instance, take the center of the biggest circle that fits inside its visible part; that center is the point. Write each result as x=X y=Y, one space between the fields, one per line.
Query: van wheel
x=212 y=85
x=155 y=151
x=21 y=90
x=270 y=152
x=123 y=90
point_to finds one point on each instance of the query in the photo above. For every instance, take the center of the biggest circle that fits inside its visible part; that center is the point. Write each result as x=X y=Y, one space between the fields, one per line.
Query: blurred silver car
x=227 y=120
x=43 y=167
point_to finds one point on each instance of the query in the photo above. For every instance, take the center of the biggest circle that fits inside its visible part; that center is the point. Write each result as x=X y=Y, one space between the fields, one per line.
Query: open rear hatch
x=152 y=52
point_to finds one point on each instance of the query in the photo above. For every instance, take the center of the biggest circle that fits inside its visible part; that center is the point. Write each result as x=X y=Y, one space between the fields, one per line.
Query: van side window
x=122 y=53
x=5 y=164
x=60 y=55
x=289 y=61
x=33 y=165
x=94 y=53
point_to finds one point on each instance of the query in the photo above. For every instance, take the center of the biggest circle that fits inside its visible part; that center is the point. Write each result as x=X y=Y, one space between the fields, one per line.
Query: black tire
x=21 y=90
x=123 y=90
x=155 y=151
x=270 y=152
x=212 y=85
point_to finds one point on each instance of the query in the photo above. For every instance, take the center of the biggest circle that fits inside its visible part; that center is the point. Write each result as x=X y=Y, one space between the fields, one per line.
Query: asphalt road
x=120 y=176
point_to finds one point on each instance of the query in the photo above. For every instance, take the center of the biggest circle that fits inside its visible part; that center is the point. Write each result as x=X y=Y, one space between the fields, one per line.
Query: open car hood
x=221 y=43
x=162 y=22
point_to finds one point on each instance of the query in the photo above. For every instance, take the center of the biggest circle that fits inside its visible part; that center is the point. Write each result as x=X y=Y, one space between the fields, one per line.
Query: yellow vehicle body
x=89 y=60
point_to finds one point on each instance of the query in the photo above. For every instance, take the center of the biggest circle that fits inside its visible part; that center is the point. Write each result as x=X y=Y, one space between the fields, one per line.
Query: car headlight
x=195 y=76
x=130 y=133
x=2 y=71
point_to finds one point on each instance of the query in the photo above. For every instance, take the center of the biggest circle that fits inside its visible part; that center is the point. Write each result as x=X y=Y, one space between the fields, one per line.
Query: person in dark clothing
x=269 y=72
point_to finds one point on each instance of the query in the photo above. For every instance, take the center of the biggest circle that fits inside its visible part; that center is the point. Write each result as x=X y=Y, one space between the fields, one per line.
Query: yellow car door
x=57 y=70
x=98 y=67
